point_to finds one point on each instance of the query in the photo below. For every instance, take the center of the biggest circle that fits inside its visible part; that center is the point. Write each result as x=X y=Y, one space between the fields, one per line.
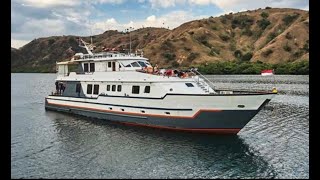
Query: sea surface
x=49 y=144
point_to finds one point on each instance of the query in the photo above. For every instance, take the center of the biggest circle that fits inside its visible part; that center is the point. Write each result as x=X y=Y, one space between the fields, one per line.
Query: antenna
x=130 y=37
x=91 y=34
x=86 y=47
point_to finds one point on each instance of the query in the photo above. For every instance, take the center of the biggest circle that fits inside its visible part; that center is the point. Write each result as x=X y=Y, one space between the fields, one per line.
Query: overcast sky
x=32 y=19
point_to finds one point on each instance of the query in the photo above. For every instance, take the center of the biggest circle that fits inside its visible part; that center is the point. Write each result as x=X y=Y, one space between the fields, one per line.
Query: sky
x=31 y=19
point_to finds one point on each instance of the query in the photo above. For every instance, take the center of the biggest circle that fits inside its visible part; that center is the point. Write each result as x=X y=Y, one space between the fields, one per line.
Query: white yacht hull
x=217 y=113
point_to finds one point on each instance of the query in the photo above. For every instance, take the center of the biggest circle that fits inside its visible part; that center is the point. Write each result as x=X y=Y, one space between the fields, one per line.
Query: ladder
x=205 y=84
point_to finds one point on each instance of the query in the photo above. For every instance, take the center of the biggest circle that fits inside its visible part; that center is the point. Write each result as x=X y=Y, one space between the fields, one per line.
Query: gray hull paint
x=227 y=119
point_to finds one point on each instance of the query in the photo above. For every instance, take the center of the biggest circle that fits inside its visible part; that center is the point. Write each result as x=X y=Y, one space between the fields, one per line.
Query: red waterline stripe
x=204 y=130
x=143 y=114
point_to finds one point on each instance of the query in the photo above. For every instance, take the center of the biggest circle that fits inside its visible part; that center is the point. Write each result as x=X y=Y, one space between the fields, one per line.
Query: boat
x=267 y=72
x=125 y=88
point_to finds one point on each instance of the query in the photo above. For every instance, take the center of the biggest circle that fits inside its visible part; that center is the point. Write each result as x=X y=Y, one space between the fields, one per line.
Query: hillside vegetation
x=264 y=36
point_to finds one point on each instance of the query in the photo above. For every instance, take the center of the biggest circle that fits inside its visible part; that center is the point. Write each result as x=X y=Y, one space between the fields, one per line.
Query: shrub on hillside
x=224 y=37
x=247 y=32
x=288 y=19
x=263 y=23
x=169 y=56
x=271 y=36
x=288 y=36
x=242 y=21
x=192 y=56
x=287 y=48
x=247 y=56
x=51 y=41
x=264 y=15
x=237 y=54
x=166 y=45
x=306 y=46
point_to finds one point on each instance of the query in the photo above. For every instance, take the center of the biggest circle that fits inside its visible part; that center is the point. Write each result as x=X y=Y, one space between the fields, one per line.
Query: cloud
x=171 y=20
x=231 y=5
x=18 y=43
x=41 y=18
x=49 y=3
x=238 y=5
x=107 y=1
x=166 y=3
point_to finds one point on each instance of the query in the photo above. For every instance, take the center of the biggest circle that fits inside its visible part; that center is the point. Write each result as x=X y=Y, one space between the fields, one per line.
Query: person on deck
x=60 y=88
x=57 y=87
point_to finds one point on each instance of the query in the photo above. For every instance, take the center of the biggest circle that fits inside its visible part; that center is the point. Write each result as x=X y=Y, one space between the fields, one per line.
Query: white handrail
x=206 y=79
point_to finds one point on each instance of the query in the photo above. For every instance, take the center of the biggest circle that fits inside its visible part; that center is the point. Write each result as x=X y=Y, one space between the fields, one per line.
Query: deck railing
x=208 y=82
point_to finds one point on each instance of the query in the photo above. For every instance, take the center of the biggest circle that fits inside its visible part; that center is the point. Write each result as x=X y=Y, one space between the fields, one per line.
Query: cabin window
x=142 y=64
x=89 y=89
x=119 y=88
x=92 y=67
x=135 y=89
x=78 y=88
x=147 y=89
x=86 y=67
x=96 y=89
x=109 y=64
x=129 y=65
x=135 y=64
x=113 y=66
x=108 y=87
x=113 y=87
x=189 y=84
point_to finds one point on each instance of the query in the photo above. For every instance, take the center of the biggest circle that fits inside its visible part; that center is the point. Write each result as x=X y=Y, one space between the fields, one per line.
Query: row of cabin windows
x=88 y=67
x=113 y=87
x=136 y=89
x=95 y=89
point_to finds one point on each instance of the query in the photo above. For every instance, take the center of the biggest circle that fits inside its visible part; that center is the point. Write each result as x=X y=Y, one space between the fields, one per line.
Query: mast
x=86 y=47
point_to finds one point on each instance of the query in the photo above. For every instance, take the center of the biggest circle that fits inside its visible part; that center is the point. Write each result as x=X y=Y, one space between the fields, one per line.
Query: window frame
x=119 y=88
x=189 y=84
x=78 y=87
x=89 y=89
x=113 y=88
x=86 y=67
x=135 y=89
x=92 y=67
x=145 y=89
x=135 y=64
x=96 y=89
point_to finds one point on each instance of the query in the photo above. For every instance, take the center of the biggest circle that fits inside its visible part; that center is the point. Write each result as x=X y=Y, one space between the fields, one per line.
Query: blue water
x=48 y=144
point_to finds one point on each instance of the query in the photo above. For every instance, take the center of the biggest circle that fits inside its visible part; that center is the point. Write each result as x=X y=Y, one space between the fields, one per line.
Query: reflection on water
x=48 y=144
x=139 y=152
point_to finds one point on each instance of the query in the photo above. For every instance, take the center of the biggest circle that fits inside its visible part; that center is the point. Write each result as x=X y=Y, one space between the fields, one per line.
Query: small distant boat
x=267 y=72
